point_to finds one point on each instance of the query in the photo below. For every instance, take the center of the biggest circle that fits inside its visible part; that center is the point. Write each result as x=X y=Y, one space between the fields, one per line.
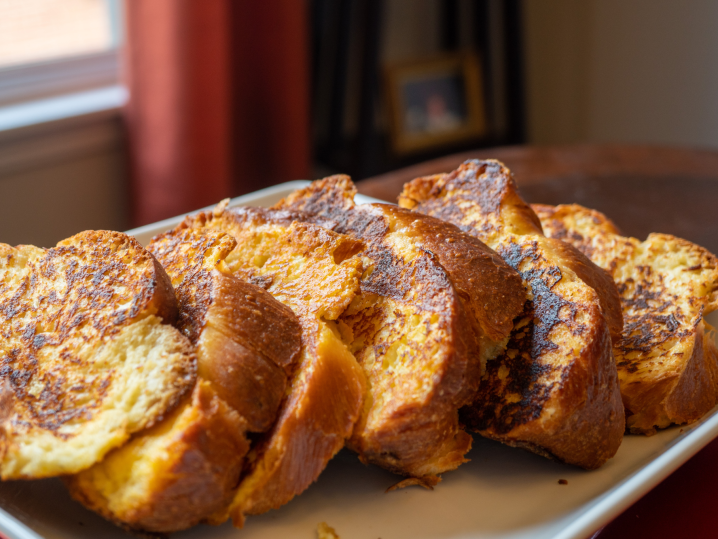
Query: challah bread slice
x=435 y=306
x=173 y=475
x=187 y=468
x=86 y=353
x=554 y=390
x=315 y=273
x=667 y=361
x=247 y=341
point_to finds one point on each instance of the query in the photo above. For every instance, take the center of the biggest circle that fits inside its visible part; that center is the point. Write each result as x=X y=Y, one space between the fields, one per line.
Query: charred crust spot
x=439 y=202
x=391 y=276
x=652 y=316
x=513 y=391
x=262 y=281
x=658 y=310
x=549 y=309
x=487 y=187
x=83 y=291
x=189 y=256
x=495 y=183
x=332 y=192
x=559 y=231
x=518 y=383
x=405 y=283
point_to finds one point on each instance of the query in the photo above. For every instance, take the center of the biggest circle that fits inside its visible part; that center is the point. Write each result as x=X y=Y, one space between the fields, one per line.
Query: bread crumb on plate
x=325 y=531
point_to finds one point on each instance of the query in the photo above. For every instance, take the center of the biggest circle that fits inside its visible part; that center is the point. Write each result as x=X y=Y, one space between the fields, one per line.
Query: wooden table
x=643 y=189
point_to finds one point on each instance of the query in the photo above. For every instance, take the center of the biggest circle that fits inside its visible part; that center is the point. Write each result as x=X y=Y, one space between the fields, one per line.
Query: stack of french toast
x=213 y=374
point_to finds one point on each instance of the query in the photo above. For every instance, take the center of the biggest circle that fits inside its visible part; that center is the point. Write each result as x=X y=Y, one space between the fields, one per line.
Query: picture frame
x=435 y=102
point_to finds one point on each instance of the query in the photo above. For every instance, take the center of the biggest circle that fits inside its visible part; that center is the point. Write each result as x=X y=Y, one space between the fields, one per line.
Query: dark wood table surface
x=643 y=189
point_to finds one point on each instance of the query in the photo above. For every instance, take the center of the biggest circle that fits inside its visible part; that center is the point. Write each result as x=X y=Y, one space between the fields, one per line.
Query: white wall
x=622 y=71
x=56 y=181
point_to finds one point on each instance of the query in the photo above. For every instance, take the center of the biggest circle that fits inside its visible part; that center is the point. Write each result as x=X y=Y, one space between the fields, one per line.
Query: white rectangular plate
x=502 y=493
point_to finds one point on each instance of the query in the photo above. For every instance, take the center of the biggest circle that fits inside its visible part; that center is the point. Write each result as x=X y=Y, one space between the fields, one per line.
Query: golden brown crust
x=315 y=289
x=6 y=402
x=190 y=463
x=62 y=310
x=313 y=271
x=488 y=286
x=497 y=210
x=591 y=232
x=248 y=349
x=434 y=303
x=251 y=313
x=666 y=363
x=312 y=427
x=568 y=256
x=554 y=390
x=696 y=393
x=580 y=220
x=247 y=342
x=187 y=259
x=188 y=467
x=93 y=251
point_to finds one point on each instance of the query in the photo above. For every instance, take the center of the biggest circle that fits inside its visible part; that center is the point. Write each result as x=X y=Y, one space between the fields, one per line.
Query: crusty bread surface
x=247 y=341
x=314 y=272
x=86 y=353
x=435 y=305
x=554 y=390
x=666 y=359
x=174 y=475
x=187 y=468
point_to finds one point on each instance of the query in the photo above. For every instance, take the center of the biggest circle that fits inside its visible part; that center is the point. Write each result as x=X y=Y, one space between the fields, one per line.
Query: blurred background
x=117 y=113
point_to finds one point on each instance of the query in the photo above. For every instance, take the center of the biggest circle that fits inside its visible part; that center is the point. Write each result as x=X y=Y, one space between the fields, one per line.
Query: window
x=38 y=30
x=55 y=47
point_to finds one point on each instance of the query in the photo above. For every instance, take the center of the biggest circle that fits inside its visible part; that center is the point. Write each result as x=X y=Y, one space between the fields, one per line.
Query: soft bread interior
x=161 y=478
x=314 y=272
x=86 y=354
x=666 y=285
x=425 y=324
x=142 y=365
x=186 y=468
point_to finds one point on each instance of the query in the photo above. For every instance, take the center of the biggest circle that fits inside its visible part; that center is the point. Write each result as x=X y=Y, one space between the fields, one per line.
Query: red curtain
x=219 y=100
x=271 y=69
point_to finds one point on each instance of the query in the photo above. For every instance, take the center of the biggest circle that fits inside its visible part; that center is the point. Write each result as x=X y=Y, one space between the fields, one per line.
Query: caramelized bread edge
x=497 y=212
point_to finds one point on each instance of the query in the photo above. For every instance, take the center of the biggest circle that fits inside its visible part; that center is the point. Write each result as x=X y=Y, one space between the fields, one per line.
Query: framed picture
x=432 y=103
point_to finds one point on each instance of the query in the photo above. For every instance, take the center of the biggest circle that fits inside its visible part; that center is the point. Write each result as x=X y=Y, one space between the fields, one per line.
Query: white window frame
x=30 y=82
x=58 y=100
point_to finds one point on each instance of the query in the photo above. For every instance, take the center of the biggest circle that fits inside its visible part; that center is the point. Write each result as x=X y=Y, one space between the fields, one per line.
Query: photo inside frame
x=435 y=103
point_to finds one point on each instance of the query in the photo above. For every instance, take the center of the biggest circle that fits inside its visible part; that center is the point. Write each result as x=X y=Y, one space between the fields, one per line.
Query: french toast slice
x=87 y=355
x=435 y=306
x=247 y=341
x=173 y=475
x=187 y=468
x=554 y=390
x=666 y=357
x=315 y=273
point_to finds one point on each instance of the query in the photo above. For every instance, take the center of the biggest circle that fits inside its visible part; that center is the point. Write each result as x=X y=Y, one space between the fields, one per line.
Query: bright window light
x=34 y=31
